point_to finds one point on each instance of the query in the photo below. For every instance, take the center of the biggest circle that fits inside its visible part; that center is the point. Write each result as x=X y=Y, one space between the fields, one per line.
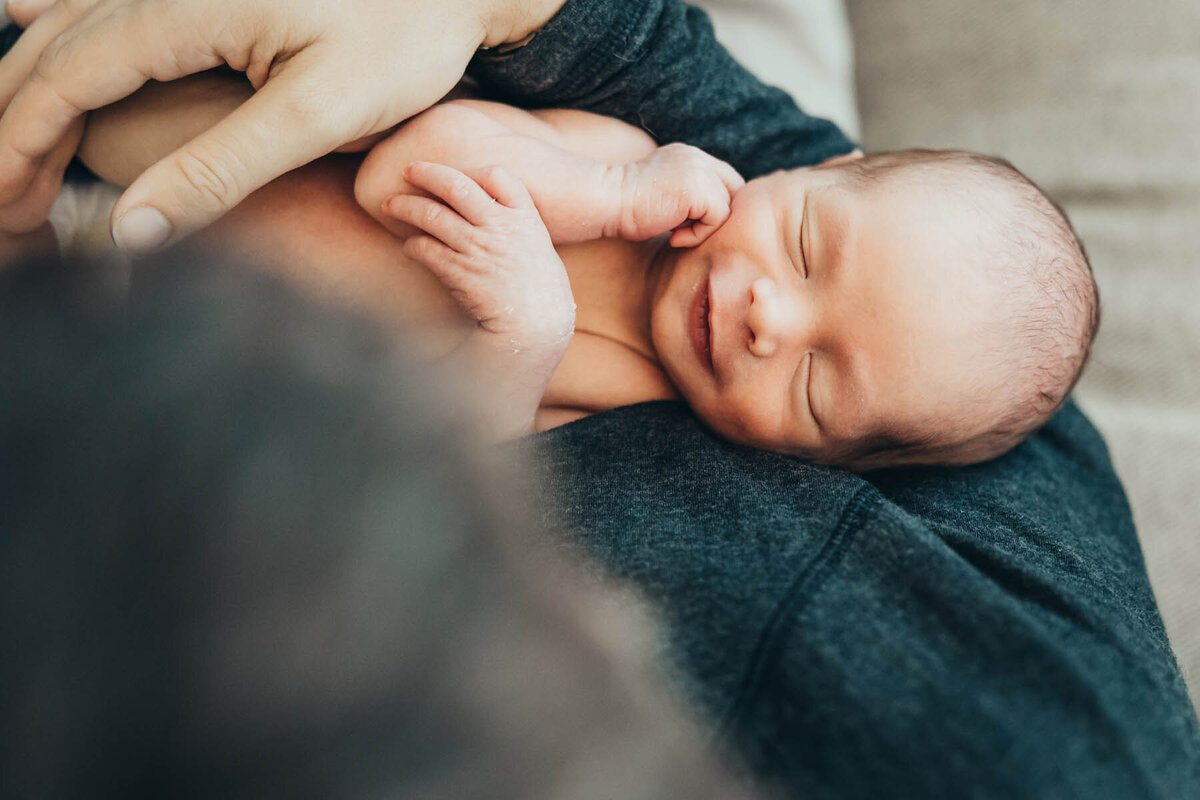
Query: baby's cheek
x=753 y=419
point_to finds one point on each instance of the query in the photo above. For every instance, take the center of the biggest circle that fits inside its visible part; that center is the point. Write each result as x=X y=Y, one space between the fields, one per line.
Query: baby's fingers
x=460 y=281
x=444 y=264
x=708 y=212
x=729 y=176
x=430 y=216
x=691 y=235
x=454 y=188
x=504 y=186
x=429 y=252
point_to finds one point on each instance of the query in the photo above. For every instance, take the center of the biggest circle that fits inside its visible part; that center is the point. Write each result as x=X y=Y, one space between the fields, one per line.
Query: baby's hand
x=676 y=188
x=488 y=246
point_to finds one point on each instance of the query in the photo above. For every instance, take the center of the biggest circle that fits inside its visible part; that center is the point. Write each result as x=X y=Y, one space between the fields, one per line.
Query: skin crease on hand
x=311 y=62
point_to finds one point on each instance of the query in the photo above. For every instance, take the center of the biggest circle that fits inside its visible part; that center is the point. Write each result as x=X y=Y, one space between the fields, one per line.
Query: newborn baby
x=909 y=307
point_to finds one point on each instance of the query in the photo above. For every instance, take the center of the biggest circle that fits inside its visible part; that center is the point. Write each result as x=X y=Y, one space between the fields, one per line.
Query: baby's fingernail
x=141 y=230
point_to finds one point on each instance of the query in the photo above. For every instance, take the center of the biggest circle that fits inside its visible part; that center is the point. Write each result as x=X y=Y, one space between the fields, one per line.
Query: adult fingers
x=18 y=246
x=34 y=206
x=50 y=79
x=278 y=129
x=24 y=12
x=43 y=28
x=431 y=217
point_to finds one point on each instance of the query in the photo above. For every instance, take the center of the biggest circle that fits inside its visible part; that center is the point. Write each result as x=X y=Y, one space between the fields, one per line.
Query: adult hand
x=325 y=73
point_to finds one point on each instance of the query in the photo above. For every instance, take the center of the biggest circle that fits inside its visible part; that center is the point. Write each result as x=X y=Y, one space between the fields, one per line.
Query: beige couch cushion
x=801 y=46
x=1100 y=103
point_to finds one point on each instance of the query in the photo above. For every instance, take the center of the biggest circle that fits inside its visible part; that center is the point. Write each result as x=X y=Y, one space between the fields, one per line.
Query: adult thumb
x=24 y=12
x=268 y=135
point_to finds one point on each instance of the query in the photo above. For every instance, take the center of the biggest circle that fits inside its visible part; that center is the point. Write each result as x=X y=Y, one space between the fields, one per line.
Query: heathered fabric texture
x=655 y=64
x=977 y=632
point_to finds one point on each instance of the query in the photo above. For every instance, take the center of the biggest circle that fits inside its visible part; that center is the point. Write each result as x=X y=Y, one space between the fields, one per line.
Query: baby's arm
x=487 y=247
x=590 y=177
x=485 y=241
x=122 y=140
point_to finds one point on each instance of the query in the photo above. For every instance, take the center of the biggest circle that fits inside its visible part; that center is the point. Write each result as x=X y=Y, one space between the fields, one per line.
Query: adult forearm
x=578 y=196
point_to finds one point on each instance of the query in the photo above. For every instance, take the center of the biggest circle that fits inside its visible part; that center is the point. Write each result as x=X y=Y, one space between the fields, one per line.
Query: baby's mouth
x=700 y=327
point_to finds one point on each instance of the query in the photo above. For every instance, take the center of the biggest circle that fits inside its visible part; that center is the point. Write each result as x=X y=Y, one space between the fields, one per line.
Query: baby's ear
x=853 y=155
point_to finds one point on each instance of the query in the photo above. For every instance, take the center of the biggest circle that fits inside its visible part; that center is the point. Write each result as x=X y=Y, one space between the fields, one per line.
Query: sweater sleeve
x=657 y=64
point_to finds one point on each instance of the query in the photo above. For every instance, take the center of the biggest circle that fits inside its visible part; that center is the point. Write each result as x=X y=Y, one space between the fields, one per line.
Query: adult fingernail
x=141 y=230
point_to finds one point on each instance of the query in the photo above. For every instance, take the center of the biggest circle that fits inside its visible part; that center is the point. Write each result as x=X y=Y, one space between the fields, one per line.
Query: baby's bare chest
x=603 y=367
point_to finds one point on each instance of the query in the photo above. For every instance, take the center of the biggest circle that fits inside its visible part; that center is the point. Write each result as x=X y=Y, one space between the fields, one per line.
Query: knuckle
x=51 y=58
x=431 y=214
x=424 y=248
x=460 y=187
x=421 y=248
x=315 y=108
x=208 y=178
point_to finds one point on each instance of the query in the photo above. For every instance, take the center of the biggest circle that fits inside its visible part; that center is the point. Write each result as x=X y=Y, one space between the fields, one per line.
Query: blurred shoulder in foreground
x=250 y=551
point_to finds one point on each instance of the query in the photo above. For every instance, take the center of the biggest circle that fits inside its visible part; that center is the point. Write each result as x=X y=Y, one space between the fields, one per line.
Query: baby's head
x=905 y=308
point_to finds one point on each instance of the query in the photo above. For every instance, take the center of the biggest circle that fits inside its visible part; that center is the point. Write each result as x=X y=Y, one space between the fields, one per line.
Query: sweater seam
x=773 y=635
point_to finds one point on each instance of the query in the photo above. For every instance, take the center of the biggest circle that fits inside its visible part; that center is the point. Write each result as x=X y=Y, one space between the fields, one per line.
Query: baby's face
x=822 y=317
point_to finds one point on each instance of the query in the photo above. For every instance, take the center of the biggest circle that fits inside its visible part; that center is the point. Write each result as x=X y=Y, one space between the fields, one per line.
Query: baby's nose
x=772 y=318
